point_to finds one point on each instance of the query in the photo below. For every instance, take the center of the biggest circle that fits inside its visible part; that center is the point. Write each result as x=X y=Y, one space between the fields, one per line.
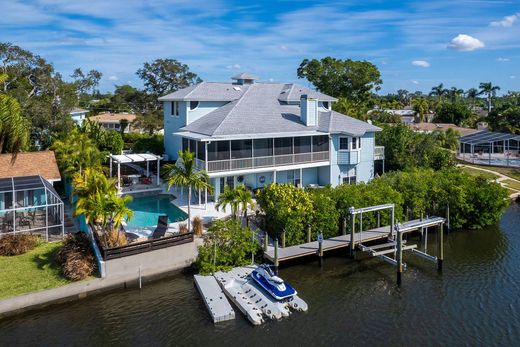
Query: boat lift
x=395 y=243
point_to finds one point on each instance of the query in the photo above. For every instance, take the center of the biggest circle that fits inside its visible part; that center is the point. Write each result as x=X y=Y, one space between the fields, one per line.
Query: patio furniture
x=145 y=180
x=162 y=227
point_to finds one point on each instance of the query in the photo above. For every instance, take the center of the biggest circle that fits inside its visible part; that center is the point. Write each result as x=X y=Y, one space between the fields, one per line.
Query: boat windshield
x=269 y=271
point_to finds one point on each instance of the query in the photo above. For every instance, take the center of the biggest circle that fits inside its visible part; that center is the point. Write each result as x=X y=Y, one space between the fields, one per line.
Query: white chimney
x=309 y=110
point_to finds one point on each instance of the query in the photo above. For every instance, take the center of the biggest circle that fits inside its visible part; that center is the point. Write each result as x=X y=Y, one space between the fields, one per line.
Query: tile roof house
x=258 y=133
x=112 y=121
x=30 y=164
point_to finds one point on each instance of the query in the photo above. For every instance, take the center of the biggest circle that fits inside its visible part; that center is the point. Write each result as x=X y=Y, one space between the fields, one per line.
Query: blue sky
x=415 y=44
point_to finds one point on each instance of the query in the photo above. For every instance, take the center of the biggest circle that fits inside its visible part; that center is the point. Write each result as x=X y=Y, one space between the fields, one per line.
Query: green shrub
x=287 y=208
x=76 y=258
x=17 y=244
x=234 y=246
x=325 y=215
x=141 y=143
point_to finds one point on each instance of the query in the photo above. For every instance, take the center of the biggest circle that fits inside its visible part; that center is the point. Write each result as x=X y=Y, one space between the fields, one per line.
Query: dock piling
x=343 y=226
x=266 y=240
x=352 y=247
x=440 y=248
x=283 y=239
x=399 y=254
x=308 y=233
x=276 y=256
x=320 y=248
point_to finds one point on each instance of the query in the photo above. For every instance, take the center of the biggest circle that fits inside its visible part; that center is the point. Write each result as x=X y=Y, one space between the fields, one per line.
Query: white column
x=200 y=199
x=206 y=199
x=301 y=177
x=119 y=175
x=110 y=165
x=158 y=172
x=147 y=168
x=274 y=176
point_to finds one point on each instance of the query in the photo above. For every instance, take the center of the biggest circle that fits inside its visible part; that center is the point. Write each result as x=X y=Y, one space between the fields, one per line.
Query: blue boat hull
x=272 y=290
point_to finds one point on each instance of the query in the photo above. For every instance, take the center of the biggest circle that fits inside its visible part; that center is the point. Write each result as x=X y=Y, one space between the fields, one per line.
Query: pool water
x=147 y=210
x=498 y=162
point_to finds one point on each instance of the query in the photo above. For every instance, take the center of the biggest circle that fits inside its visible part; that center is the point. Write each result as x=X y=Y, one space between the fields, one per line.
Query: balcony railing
x=379 y=152
x=261 y=162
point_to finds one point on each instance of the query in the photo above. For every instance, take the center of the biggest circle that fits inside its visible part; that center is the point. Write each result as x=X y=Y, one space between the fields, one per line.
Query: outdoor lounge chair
x=162 y=227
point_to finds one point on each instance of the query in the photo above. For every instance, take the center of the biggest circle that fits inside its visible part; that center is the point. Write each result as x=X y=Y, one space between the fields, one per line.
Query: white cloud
x=506 y=22
x=233 y=67
x=421 y=63
x=465 y=43
x=500 y=59
x=414 y=82
x=113 y=78
x=512 y=77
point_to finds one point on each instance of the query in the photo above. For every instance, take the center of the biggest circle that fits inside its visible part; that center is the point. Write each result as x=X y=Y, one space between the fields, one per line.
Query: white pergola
x=134 y=158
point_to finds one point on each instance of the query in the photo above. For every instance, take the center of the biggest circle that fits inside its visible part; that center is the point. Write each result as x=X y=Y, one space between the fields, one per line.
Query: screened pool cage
x=490 y=148
x=30 y=204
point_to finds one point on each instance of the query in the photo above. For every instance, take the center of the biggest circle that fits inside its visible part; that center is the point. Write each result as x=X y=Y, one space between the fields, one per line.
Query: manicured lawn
x=512 y=184
x=511 y=172
x=32 y=271
x=476 y=172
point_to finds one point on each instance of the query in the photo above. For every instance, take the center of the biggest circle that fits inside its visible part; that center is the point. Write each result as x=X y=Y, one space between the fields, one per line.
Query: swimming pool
x=497 y=162
x=148 y=208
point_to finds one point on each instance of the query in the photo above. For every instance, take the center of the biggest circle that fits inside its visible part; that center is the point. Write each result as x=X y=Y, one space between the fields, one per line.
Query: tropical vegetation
x=225 y=246
x=473 y=202
x=184 y=174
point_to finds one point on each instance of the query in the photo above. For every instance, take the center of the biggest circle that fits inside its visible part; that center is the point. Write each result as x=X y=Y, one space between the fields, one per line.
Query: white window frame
x=350 y=177
x=348 y=143
x=175 y=111
x=357 y=140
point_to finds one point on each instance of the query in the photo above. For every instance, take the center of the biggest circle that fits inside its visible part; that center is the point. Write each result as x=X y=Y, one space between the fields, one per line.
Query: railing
x=260 y=162
x=379 y=152
x=146 y=246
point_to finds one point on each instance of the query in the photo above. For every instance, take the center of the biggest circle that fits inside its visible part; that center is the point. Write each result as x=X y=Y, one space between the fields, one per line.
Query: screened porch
x=226 y=155
x=30 y=204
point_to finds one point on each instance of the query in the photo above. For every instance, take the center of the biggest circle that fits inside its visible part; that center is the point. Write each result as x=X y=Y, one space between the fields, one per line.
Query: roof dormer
x=244 y=78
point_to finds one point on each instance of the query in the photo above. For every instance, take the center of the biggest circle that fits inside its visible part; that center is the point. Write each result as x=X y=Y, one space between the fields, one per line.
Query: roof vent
x=236 y=88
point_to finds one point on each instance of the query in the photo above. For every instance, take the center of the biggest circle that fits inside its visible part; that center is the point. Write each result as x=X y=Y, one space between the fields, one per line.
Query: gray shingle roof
x=293 y=92
x=207 y=91
x=259 y=111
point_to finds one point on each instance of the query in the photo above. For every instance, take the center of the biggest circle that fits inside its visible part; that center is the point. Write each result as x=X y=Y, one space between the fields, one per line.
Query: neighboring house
x=78 y=115
x=259 y=133
x=28 y=200
x=112 y=121
x=430 y=127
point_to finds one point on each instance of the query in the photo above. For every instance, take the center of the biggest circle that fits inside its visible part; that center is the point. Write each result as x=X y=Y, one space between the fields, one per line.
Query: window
x=350 y=178
x=326 y=104
x=356 y=143
x=222 y=150
x=193 y=105
x=343 y=143
x=302 y=144
x=263 y=147
x=185 y=144
x=175 y=108
x=320 y=143
x=283 y=145
x=193 y=146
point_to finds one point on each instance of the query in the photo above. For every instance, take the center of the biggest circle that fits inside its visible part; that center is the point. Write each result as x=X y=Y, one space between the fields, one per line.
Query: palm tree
x=490 y=90
x=14 y=128
x=421 y=106
x=245 y=199
x=472 y=94
x=229 y=197
x=120 y=211
x=185 y=174
x=454 y=93
x=439 y=92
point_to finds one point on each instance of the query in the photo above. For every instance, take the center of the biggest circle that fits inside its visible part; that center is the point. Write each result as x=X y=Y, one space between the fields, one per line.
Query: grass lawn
x=32 y=271
x=512 y=184
x=507 y=171
x=476 y=172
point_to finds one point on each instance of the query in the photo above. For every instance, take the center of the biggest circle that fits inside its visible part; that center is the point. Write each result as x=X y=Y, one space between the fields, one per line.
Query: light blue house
x=259 y=133
x=78 y=115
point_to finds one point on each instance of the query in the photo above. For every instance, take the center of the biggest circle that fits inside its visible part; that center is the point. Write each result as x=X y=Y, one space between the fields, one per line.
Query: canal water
x=475 y=301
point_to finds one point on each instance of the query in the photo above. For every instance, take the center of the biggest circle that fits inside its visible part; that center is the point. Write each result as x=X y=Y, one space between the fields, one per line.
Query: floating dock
x=253 y=301
x=214 y=298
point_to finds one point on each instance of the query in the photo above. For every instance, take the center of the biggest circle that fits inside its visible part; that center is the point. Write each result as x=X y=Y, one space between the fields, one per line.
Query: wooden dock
x=343 y=241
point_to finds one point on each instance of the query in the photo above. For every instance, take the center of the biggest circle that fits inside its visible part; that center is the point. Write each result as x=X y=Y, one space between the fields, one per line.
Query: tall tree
x=471 y=95
x=421 y=107
x=403 y=96
x=455 y=93
x=164 y=76
x=489 y=90
x=353 y=80
x=14 y=128
x=229 y=197
x=185 y=174
x=86 y=83
x=439 y=91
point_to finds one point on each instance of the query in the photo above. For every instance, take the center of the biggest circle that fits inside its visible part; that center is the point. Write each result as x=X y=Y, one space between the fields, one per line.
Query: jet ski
x=274 y=285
